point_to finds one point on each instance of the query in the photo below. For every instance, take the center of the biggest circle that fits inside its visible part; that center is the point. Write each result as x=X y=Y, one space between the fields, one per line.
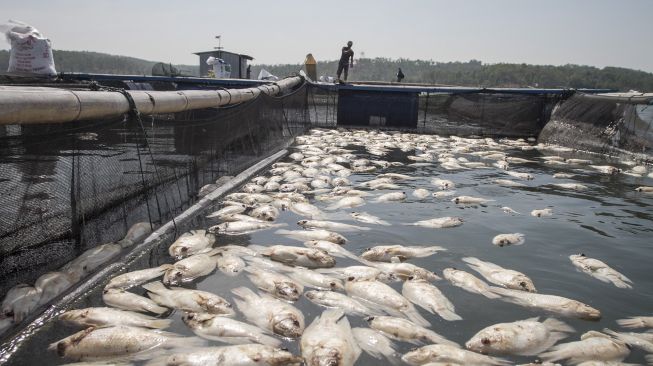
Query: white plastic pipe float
x=30 y=105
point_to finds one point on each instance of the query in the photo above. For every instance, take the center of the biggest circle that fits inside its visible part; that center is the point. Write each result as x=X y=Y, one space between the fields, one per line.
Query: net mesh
x=69 y=187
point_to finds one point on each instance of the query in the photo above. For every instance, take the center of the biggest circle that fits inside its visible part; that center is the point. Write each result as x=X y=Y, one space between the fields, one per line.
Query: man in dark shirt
x=400 y=75
x=346 y=60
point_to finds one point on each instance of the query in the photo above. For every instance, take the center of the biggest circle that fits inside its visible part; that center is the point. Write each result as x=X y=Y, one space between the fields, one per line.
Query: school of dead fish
x=314 y=184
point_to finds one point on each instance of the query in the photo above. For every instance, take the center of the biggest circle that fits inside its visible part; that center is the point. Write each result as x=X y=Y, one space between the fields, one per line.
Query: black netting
x=68 y=187
x=601 y=125
x=479 y=113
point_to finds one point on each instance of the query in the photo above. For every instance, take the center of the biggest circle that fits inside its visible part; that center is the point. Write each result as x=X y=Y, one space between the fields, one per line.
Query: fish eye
x=351 y=278
x=522 y=284
x=485 y=341
x=295 y=323
x=411 y=277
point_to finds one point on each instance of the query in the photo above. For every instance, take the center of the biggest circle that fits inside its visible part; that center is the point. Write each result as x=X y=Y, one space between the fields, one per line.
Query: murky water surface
x=608 y=221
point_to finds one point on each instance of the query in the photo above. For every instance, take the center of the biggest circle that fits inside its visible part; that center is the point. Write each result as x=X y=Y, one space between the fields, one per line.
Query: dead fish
x=319 y=234
x=276 y=284
x=20 y=300
x=444 y=353
x=134 y=278
x=329 y=225
x=227 y=330
x=269 y=313
x=420 y=292
x=404 y=271
x=571 y=186
x=347 y=202
x=244 y=354
x=636 y=322
x=593 y=346
x=242 y=227
x=190 y=268
x=265 y=213
x=102 y=316
x=91 y=259
x=385 y=253
x=509 y=239
x=643 y=341
x=524 y=337
x=509 y=210
x=550 y=303
x=644 y=189
x=469 y=200
x=375 y=344
x=332 y=248
x=468 y=282
x=118 y=341
x=328 y=340
x=509 y=183
x=519 y=175
x=236 y=208
x=135 y=233
x=391 y=197
x=306 y=210
x=188 y=300
x=385 y=297
x=314 y=279
x=229 y=264
x=122 y=299
x=305 y=257
x=191 y=243
x=52 y=284
x=356 y=272
x=501 y=276
x=541 y=213
x=440 y=222
x=606 y=169
x=368 y=219
x=599 y=270
x=442 y=194
x=341 y=301
x=563 y=175
x=420 y=193
x=406 y=331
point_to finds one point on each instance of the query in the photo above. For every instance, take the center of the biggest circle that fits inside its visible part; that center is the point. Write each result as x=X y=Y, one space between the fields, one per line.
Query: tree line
x=471 y=73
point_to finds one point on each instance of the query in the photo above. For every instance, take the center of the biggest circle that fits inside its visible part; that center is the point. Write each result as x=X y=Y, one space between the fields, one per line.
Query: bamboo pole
x=32 y=105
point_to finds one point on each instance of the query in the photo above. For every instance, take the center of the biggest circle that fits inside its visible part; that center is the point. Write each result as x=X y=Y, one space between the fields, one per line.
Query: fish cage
x=70 y=187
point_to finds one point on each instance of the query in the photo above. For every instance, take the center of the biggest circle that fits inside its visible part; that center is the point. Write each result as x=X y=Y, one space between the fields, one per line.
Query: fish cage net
x=472 y=113
x=72 y=186
x=601 y=125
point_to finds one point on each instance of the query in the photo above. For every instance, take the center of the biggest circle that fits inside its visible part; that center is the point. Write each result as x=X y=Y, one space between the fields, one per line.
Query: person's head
x=350 y=43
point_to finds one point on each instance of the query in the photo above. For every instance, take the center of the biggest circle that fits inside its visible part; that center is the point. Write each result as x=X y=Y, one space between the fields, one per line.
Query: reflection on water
x=608 y=221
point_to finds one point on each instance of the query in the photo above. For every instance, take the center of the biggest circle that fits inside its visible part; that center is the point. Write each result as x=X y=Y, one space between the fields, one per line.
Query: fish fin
x=159 y=323
x=396 y=259
x=632 y=322
x=244 y=293
x=592 y=334
x=413 y=314
x=158 y=309
x=556 y=325
x=155 y=287
x=449 y=315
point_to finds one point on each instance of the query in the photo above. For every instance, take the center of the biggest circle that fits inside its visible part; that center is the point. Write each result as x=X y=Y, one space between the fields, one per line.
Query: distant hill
x=471 y=73
x=101 y=63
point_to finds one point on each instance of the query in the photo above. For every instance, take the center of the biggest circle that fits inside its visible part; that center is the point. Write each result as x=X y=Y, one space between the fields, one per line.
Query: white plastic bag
x=265 y=75
x=30 y=51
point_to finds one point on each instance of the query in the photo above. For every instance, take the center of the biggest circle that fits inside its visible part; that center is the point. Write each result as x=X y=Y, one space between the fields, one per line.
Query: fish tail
x=490 y=293
x=412 y=314
x=556 y=325
x=556 y=353
x=449 y=315
x=159 y=323
x=332 y=315
x=632 y=322
x=155 y=287
x=244 y=293
x=157 y=309
x=268 y=340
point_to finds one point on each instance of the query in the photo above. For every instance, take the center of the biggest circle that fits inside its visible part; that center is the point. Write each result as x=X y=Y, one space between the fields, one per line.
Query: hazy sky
x=589 y=32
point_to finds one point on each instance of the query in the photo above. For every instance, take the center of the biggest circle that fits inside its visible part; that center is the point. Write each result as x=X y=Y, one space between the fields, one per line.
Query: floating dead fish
x=377 y=345
x=318 y=234
x=420 y=292
x=298 y=256
x=636 y=322
x=276 y=284
x=102 y=316
x=442 y=353
x=368 y=219
x=242 y=227
x=244 y=354
x=227 y=330
x=122 y=299
x=190 y=268
x=468 y=282
x=406 y=331
x=593 y=346
x=384 y=297
x=524 y=337
x=469 y=200
x=341 y=301
x=20 y=300
x=440 y=222
x=329 y=225
x=502 y=240
x=191 y=243
x=541 y=213
x=550 y=303
x=391 y=197
x=385 y=253
x=53 y=284
x=571 y=186
x=501 y=276
x=599 y=270
x=328 y=340
x=188 y=300
x=269 y=313
x=118 y=341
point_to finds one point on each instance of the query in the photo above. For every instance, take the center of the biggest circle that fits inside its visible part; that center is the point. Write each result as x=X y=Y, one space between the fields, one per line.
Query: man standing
x=400 y=75
x=346 y=60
